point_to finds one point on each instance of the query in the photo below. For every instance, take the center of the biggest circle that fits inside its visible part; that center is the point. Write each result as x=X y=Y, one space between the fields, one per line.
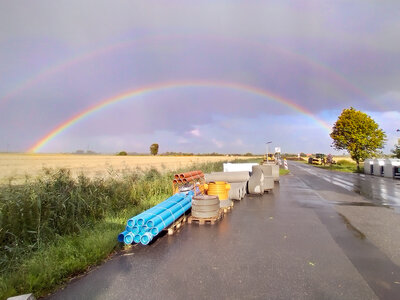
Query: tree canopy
x=396 y=151
x=154 y=149
x=357 y=133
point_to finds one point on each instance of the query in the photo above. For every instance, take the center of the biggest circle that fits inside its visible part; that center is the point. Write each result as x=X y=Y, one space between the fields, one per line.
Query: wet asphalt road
x=298 y=242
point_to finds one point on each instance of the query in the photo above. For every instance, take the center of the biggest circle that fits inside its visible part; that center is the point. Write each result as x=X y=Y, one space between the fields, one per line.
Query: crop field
x=16 y=167
x=347 y=158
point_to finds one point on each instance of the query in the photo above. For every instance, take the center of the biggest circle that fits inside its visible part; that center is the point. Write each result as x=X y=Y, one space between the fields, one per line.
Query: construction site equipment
x=389 y=168
x=368 y=166
x=145 y=226
x=225 y=204
x=205 y=206
x=232 y=167
x=268 y=182
x=218 y=188
x=285 y=166
x=275 y=172
x=230 y=177
x=378 y=169
x=237 y=180
x=269 y=158
x=238 y=190
x=256 y=181
x=319 y=159
x=193 y=180
x=397 y=172
x=210 y=220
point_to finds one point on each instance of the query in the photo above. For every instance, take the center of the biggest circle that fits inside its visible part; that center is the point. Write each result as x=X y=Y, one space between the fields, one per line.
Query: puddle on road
x=361 y=204
x=375 y=267
x=357 y=233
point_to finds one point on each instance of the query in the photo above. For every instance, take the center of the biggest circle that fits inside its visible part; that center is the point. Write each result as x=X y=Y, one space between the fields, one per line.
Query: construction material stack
x=189 y=192
x=193 y=180
x=262 y=178
x=221 y=190
x=145 y=226
x=205 y=206
x=237 y=180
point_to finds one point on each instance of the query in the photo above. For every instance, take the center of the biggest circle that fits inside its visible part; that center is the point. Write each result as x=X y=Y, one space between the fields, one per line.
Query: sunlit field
x=15 y=167
x=347 y=158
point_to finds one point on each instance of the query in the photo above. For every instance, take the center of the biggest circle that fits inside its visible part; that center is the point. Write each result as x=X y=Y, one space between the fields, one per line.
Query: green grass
x=344 y=166
x=283 y=172
x=54 y=227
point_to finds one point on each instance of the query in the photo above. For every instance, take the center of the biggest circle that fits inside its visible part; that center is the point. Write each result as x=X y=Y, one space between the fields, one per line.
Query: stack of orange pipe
x=188 y=176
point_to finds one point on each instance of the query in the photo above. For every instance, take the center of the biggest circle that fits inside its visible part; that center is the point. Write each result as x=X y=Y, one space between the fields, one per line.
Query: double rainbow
x=170 y=86
x=45 y=73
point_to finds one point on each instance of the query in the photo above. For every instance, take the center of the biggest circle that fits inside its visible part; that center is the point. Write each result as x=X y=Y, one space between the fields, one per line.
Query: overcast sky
x=57 y=58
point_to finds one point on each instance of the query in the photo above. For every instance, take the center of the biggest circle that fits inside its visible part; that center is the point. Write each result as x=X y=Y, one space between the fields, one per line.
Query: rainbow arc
x=271 y=96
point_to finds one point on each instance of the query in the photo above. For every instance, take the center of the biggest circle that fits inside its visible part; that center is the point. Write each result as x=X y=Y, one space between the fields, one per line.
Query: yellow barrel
x=219 y=188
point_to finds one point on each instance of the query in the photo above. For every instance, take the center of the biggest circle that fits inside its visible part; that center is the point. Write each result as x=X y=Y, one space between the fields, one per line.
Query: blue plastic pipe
x=159 y=218
x=136 y=238
x=135 y=229
x=175 y=198
x=143 y=230
x=161 y=208
x=154 y=231
x=128 y=239
x=167 y=222
x=121 y=236
x=146 y=238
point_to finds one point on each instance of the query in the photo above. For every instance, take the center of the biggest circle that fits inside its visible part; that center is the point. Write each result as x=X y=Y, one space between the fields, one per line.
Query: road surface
x=318 y=235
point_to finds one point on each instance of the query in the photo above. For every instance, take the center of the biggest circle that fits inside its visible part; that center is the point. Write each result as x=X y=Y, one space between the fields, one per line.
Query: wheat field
x=17 y=166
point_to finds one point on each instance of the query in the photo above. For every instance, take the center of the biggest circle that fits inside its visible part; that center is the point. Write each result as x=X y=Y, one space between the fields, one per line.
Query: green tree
x=396 y=151
x=357 y=133
x=122 y=153
x=154 y=149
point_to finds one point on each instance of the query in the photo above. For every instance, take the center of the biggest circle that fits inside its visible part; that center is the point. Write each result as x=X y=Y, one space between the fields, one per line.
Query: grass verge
x=54 y=227
x=283 y=172
x=344 y=166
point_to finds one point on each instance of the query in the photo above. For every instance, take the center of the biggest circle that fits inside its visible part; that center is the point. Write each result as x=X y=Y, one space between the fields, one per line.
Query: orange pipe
x=190 y=174
x=187 y=179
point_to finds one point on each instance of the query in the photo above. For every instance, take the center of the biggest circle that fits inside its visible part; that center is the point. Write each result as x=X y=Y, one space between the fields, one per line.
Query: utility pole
x=267 y=143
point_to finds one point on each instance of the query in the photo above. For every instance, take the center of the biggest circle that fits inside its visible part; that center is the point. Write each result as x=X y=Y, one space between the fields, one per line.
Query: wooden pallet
x=203 y=221
x=176 y=225
x=228 y=208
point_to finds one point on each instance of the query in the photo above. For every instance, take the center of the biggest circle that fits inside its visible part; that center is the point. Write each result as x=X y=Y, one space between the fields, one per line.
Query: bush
x=344 y=162
x=122 y=153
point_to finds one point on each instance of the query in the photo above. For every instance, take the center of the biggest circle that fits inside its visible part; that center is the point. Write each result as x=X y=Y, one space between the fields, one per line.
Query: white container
x=230 y=167
x=367 y=166
x=378 y=166
x=389 y=166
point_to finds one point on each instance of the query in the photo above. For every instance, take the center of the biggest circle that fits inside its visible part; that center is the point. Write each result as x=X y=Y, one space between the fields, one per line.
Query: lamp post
x=267 y=143
x=398 y=140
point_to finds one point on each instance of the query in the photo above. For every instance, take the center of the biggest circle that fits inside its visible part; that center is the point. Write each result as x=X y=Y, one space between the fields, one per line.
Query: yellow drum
x=218 y=188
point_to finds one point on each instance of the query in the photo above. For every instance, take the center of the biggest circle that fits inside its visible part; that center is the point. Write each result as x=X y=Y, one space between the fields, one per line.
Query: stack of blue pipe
x=145 y=226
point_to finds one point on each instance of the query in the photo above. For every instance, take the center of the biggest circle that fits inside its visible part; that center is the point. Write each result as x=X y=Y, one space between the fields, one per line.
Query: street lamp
x=267 y=143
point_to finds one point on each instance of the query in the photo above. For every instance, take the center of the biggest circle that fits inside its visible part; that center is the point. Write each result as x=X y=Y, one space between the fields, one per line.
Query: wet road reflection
x=381 y=191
